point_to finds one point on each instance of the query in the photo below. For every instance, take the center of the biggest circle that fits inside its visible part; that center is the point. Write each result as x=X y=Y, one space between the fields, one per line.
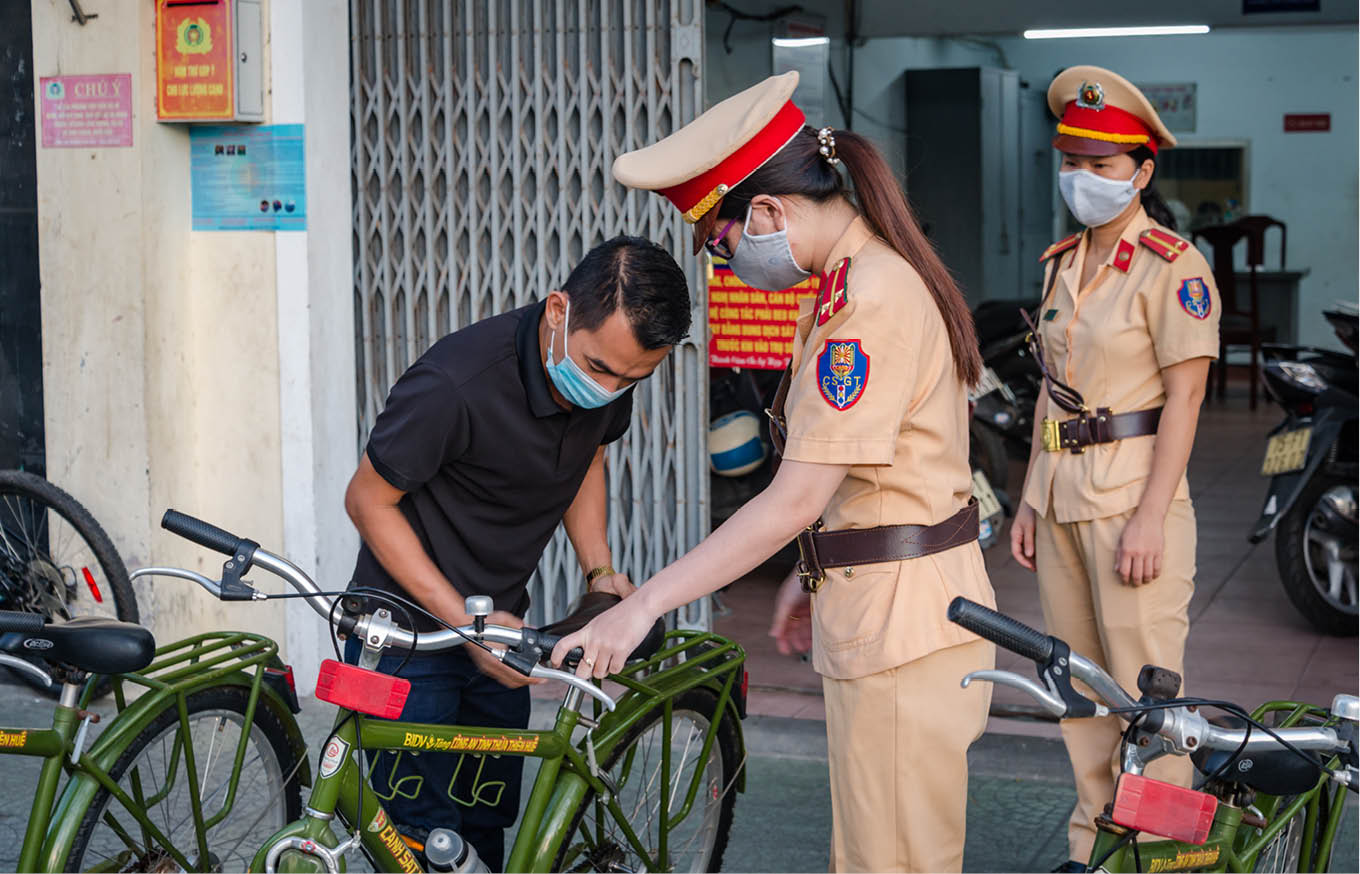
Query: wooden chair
x=1240 y=326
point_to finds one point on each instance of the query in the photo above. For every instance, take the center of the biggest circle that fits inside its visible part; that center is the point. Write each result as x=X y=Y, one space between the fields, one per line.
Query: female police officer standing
x=1128 y=326
x=874 y=473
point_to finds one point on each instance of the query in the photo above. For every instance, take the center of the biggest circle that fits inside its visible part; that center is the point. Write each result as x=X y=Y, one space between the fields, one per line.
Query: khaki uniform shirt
x=1110 y=341
x=874 y=387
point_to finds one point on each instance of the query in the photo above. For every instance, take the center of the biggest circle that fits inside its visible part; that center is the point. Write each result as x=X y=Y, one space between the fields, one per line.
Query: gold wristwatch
x=604 y=570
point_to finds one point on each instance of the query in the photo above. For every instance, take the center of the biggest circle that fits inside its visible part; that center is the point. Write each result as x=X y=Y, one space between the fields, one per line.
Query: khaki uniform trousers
x=897 y=744
x=1119 y=627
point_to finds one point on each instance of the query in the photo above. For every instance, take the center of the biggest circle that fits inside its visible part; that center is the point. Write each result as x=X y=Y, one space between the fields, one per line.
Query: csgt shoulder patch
x=842 y=373
x=1194 y=298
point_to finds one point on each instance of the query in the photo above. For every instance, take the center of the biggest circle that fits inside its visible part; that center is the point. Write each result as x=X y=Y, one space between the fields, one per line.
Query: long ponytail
x=888 y=212
x=799 y=168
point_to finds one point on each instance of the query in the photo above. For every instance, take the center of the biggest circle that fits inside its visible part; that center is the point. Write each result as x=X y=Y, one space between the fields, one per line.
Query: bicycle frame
x=1231 y=845
x=179 y=670
x=696 y=659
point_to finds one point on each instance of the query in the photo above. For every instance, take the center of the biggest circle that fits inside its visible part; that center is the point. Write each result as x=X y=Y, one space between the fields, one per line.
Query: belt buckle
x=1051 y=435
x=812 y=580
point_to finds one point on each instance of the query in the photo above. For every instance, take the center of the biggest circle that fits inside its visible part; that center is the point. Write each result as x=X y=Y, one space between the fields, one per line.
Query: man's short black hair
x=638 y=276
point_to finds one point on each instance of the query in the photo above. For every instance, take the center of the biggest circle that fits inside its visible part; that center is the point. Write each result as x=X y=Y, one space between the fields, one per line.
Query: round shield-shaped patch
x=842 y=373
x=1194 y=297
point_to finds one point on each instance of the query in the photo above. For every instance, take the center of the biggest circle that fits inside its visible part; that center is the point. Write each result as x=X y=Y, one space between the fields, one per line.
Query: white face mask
x=1094 y=199
x=765 y=260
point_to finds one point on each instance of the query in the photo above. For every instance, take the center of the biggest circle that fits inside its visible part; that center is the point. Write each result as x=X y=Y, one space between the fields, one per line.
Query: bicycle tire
x=15 y=484
x=575 y=856
x=222 y=702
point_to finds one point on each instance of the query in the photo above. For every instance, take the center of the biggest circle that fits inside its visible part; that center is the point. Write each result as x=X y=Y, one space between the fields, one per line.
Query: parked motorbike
x=1007 y=413
x=1311 y=504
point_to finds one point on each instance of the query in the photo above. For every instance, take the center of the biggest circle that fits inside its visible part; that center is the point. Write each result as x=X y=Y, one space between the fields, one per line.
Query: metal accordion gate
x=482 y=136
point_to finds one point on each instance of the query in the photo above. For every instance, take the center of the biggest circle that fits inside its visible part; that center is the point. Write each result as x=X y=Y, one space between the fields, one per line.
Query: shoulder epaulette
x=1164 y=243
x=834 y=294
x=1061 y=246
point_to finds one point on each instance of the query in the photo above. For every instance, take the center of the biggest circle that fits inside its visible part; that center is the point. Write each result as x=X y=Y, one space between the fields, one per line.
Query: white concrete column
x=309 y=52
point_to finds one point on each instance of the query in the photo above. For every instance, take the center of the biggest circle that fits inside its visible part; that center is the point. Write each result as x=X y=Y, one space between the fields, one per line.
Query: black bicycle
x=55 y=560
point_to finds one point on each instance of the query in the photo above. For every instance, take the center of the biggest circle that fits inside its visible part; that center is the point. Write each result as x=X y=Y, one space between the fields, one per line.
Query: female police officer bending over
x=875 y=458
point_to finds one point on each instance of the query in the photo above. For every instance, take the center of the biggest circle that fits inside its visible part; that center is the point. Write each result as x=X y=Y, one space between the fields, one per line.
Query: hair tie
x=828 y=146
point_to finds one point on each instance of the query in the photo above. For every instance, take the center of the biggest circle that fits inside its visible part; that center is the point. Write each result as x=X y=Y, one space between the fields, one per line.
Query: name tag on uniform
x=1050 y=315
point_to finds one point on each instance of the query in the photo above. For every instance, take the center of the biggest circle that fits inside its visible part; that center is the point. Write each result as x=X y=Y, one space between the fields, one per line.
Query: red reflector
x=745 y=683
x=360 y=689
x=94 y=587
x=287 y=673
x=1163 y=809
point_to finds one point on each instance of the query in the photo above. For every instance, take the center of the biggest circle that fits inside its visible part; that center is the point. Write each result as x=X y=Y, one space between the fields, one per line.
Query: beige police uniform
x=873 y=387
x=1151 y=305
x=898 y=724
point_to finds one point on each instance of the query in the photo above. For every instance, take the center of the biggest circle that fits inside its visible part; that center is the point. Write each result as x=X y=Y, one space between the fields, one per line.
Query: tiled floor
x=1247 y=642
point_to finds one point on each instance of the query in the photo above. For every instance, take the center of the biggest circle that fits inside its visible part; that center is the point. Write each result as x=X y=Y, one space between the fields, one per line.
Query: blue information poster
x=248 y=177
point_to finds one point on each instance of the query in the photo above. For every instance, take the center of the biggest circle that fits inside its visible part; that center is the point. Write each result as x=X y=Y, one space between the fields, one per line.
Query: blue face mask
x=578 y=387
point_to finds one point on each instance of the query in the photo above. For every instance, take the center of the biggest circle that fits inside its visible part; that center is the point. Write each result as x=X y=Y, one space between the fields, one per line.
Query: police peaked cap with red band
x=697 y=165
x=1102 y=113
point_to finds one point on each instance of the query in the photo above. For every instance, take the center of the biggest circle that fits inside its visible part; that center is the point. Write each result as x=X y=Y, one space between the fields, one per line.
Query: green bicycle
x=162 y=787
x=647 y=784
x=1272 y=794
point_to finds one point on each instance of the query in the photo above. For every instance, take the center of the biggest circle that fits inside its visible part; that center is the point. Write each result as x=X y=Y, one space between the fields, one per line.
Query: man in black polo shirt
x=489 y=440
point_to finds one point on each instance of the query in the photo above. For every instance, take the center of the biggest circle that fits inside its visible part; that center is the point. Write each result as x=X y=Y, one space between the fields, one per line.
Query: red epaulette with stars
x=1061 y=246
x=1164 y=243
x=833 y=295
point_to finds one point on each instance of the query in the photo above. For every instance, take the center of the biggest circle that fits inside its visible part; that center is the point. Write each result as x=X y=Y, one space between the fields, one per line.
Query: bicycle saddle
x=592 y=604
x=1274 y=772
x=90 y=643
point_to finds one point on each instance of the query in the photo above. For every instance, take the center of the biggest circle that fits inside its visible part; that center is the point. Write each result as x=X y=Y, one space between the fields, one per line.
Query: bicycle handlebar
x=1001 y=629
x=13 y=620
x=203 y=533
x=214 y=538
x=1185 y=731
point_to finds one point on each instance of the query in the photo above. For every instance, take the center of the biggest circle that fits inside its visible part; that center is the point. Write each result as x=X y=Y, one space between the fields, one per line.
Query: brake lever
x=1050 y=701
x=575 y=682
x=213 y=587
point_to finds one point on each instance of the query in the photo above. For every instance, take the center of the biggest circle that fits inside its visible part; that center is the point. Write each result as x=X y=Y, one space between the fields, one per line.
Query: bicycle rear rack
x=202 y=660
x=686 y=659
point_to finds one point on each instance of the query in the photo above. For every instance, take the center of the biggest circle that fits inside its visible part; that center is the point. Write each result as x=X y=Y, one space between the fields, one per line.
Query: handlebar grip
x=13 y=620
x=548 y=641
x=200 y=532
x=1001 y=629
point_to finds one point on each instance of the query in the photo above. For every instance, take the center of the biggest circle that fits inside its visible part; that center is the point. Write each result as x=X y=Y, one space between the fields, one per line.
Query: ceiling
x=879 y=18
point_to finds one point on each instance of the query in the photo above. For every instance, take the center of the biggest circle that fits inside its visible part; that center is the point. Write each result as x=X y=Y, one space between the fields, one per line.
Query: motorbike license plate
x=988 y=505
x=989 y=383
x=1287 y=452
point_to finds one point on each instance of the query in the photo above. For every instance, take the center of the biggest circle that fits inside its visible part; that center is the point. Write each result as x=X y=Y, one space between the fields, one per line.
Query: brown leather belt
x=829 y=549
x=1100 y=426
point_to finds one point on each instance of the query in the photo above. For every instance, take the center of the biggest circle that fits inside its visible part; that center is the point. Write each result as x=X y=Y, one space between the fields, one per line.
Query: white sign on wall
x=1175 y=103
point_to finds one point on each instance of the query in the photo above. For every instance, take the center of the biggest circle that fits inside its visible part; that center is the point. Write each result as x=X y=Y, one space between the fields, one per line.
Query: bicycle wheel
x=595 y=842
x=56 y=560
x=268 y=791
x=1282 y=854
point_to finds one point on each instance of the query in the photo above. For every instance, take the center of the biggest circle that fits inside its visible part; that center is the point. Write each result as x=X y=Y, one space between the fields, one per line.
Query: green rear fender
x=80 y=790
x=633 y=706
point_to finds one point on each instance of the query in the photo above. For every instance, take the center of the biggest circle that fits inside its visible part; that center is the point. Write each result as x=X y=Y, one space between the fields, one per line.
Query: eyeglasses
x=718 y=245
